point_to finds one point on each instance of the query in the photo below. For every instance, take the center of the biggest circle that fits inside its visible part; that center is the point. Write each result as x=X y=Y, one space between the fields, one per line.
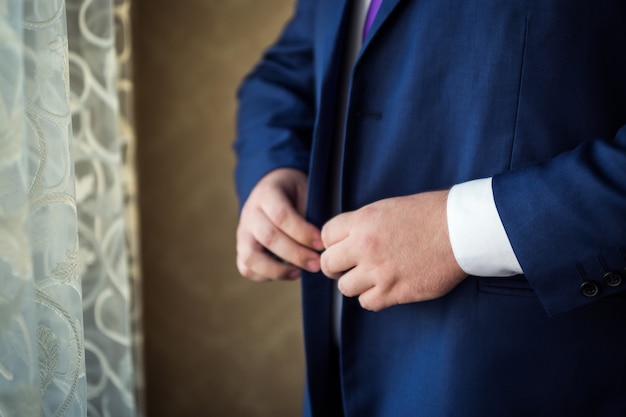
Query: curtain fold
x=66 y=251
x=128 y=151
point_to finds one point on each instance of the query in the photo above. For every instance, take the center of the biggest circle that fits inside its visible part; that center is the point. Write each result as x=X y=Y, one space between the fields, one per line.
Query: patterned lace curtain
x=69 y=312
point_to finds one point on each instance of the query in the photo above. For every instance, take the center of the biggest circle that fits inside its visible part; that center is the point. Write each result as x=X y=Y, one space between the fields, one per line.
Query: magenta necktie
x=371 y=14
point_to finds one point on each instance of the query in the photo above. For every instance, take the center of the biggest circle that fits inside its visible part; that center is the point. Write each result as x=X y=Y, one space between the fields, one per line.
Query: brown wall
x=216 y=344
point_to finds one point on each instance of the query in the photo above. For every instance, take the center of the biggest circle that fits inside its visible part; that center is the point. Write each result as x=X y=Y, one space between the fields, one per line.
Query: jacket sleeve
x=276 y=105
x=566 y=221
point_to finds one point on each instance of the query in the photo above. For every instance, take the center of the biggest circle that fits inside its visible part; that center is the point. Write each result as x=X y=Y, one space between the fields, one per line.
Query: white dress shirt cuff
x=479 y=241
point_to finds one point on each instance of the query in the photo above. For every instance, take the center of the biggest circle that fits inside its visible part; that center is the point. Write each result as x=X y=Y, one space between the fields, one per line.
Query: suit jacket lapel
x=333 y=29
x=385 y=10
x=329 y=41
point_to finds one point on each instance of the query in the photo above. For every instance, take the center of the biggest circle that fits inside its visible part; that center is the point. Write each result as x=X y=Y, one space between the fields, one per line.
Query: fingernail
x=318 y=245
x=294 y=274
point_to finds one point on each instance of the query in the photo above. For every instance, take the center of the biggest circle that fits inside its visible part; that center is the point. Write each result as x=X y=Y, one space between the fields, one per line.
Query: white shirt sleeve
x=479 y=241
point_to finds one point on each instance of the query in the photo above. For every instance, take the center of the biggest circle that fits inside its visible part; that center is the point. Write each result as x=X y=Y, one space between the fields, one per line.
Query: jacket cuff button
x=612 y=279
x=589 y=289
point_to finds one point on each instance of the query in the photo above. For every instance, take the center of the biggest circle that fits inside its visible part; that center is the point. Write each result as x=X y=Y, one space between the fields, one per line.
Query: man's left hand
x=393 y=251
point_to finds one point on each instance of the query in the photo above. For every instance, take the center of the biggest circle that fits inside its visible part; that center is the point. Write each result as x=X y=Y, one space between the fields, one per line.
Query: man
x=455 y=115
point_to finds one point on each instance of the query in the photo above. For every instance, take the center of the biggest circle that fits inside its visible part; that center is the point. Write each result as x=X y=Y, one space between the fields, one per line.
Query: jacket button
x=613 y=279
x=589 y=289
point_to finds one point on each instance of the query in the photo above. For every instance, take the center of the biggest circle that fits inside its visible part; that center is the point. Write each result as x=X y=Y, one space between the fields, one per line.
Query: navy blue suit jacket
x=531 y=92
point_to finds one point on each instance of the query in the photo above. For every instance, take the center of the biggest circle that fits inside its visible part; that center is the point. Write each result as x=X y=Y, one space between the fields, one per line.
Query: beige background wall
x=216 y=345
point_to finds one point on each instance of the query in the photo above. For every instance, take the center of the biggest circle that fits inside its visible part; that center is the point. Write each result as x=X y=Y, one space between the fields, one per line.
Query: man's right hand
x=272 y=222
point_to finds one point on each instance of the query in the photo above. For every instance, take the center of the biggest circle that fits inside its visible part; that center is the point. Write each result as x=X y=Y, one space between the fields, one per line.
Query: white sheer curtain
x=67 y=290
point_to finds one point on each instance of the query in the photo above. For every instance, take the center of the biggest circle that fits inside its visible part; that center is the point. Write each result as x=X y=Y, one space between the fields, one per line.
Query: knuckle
x=278 y=215
x=369 y=304
x=369 y=243
x=344 y=288
x=367 y=213
x=386 y=281
x=267 y=236
x=244 y=270
x=244 y=264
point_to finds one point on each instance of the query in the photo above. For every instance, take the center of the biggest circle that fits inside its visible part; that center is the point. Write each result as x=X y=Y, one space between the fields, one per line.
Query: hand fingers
x=269 y=236
x=338 y=259
x=336 y=229
x=271 y=223
x=254 y=263
x=286 y=218
x=354 y=283
x=372 y=300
